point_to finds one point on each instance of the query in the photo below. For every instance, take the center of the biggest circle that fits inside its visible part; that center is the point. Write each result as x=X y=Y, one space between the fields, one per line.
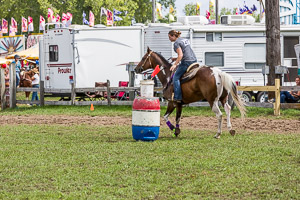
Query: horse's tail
x=230 y=86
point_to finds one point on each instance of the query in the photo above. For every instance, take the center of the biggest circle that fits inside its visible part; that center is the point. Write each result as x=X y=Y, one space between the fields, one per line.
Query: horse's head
x=145 y=63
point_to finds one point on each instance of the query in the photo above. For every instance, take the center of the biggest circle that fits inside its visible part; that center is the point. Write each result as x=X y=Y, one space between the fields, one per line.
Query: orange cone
x=92 y=107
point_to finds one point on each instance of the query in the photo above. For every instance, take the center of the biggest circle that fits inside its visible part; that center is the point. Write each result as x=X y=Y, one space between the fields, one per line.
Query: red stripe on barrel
x=142 y=103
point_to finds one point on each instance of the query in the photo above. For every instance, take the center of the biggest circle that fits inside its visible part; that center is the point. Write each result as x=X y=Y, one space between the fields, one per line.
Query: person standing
x=186 y=57
x=35 y=84
x=18 y=69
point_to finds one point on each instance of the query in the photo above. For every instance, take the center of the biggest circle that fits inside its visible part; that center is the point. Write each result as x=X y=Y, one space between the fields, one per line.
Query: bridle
x=148 y=57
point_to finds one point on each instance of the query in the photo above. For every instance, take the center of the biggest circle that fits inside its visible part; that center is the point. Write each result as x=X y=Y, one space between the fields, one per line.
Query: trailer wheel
x=262 y=97
x=247 y=97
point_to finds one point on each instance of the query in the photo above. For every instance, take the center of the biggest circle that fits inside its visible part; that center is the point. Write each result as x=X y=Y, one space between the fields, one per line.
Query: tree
x=144 y=12
x=35 y=8
x=190 y=9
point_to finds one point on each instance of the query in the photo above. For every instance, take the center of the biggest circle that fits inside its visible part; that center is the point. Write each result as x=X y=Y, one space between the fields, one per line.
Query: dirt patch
x=195 y=122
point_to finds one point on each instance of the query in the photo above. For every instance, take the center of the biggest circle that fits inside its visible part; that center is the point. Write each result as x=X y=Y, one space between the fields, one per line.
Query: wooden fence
x=277 y=88
x=131 y=90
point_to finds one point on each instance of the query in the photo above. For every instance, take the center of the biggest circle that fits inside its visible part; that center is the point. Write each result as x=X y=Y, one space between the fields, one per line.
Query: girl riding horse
x=205 y=83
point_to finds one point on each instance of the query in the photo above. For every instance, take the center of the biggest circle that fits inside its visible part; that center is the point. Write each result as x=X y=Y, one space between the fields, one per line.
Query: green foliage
x=144 y=12
x=35 y=8
x=190 y=9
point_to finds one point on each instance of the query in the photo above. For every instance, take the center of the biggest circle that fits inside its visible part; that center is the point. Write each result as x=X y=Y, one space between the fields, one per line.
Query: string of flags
x=27 y=23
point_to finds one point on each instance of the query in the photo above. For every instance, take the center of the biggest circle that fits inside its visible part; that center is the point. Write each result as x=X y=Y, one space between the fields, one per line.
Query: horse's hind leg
x=170 y=109
x=227 y=109
x=216 y=109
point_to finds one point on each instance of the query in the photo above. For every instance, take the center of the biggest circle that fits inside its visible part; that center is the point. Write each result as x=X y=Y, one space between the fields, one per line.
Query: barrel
x=147 y=88
x=145 y=118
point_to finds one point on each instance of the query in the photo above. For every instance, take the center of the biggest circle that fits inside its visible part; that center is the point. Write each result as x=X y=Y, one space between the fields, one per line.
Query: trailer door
x=58 y=54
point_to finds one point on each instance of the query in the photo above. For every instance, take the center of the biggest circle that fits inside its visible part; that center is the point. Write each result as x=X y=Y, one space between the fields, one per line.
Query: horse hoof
x=217 y=136
x=232 y=132
x=177 y=131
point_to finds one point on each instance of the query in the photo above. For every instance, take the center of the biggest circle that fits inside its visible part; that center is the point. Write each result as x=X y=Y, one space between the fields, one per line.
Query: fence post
x=131 y=80
x=42 y=93
x=73 y=94
x=12 y=85
x=3 y=97
x=108 y=93
x=277 y=98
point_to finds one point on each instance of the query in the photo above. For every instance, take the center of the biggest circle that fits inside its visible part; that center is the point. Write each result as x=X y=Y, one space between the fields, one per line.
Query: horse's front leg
x=178 y=116
x=217 y=111
x=27 y=95
x=170 y=109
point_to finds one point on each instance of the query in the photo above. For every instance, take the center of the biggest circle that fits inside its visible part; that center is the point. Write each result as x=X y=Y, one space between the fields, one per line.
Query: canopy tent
x=4 y=61
x=31 y=53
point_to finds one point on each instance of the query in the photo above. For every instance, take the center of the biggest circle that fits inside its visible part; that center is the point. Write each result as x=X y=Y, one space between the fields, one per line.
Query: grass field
x=86 y=162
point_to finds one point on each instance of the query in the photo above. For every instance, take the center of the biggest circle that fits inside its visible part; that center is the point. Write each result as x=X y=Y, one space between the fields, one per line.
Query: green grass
x=86 y=162
x=127 y=110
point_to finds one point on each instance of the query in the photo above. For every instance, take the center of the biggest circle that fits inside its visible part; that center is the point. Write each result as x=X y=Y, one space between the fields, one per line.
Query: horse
x=200 y=83
x=26 y=81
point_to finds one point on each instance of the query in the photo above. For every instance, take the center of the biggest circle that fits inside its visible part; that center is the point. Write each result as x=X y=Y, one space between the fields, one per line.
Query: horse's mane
x=163 y=60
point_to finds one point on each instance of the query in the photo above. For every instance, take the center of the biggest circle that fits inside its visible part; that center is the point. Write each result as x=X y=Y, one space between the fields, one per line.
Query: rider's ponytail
x=174 y=32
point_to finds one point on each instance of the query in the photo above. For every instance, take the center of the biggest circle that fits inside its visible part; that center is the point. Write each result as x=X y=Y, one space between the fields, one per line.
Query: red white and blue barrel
x=145 y=118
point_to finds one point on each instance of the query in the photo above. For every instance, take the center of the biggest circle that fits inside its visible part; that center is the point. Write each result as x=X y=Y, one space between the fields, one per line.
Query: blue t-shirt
x=18 y=66
x=188 y=53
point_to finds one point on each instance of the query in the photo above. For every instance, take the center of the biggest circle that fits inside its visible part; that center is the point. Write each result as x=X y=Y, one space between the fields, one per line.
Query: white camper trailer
x=237 y=50
x=87 y=55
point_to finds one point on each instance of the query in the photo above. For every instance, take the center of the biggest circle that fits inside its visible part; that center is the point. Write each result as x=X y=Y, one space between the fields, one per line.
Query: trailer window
x=211 y=37
x=53 y=53
x=254 y=55
x=254 y=65
x=289 y=43
x=218 y=36
x=214 y=59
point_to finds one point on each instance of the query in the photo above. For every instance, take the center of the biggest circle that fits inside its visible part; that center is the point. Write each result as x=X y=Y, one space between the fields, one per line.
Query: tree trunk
x=153 y=11
x=273 y=40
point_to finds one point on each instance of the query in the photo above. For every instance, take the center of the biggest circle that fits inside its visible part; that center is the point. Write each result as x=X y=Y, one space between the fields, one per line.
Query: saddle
x=190 y=72
x=188 y=75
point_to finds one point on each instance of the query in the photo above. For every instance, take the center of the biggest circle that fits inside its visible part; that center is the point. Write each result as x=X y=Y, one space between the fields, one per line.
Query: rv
x=83 y=55
x=238 y=48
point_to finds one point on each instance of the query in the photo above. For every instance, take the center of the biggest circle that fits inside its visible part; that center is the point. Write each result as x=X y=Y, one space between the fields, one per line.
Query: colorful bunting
x=24 y=25
x=42 y=23
x=14 y=25
x=103 y=11
x=57 y=20
x=51 y=17
x=158 y=11
x=91 y=19
x=84 y=20
x=116 y=12
x=30 y=24
x=64 y=19
x=4 y=26
x=109 y=18
x=69 y=19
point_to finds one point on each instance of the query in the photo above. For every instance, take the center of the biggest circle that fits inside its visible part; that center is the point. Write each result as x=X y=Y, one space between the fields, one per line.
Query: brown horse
x=26 y=81
x=204 y=83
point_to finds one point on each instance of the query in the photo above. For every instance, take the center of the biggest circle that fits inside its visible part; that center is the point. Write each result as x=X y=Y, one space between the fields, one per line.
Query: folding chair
x=121 y=95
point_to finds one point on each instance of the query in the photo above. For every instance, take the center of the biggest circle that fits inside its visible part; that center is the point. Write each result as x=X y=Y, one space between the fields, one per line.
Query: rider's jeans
x=176 y=79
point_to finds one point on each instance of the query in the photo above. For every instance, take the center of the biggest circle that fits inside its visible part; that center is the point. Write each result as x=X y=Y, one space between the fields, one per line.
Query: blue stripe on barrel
x=145 y=118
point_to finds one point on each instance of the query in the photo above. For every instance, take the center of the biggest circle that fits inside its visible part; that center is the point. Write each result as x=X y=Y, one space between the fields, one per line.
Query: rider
x=186 y=57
